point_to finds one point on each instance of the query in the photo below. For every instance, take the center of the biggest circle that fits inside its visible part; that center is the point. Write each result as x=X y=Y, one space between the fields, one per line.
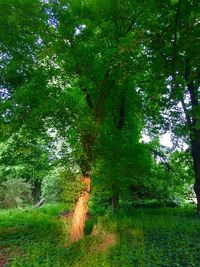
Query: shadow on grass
x=150 y=237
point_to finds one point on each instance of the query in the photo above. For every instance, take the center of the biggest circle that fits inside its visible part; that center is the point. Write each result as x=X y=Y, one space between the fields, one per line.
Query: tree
x=175 y=52
x=89 y=72
x=15 y=193
x=25 y=157
x=86 y=75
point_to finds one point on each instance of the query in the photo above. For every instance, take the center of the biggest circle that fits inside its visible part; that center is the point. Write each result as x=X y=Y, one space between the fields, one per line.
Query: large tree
x=73 y=72
x=99 y=49
x=87 y=71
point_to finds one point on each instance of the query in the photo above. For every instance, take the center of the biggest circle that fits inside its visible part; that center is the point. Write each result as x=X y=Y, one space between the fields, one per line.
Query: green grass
x=149 y=237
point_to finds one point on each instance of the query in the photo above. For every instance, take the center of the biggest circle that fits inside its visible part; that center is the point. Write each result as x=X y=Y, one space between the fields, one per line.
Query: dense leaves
x=81 y=81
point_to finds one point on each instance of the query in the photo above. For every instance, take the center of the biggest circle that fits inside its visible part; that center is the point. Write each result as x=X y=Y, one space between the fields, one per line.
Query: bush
x=52 y=187
x=61 y=185
x=15 y=193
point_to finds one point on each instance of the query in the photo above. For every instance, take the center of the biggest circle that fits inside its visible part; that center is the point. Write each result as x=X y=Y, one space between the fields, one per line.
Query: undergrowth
x=149 y=237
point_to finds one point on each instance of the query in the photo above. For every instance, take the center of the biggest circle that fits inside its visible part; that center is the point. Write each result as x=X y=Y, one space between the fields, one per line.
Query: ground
x=146 y=237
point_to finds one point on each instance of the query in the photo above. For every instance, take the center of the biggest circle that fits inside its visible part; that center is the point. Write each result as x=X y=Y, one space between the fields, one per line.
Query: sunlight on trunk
x=80 y=212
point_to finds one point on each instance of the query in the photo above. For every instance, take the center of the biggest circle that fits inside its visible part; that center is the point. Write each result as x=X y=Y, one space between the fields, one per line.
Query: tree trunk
x=81 y=209
x=115 y=202
x=37 y=190
x=80 y=212
x=120 y=125
x=193 y=123
x=196 y=162
x=40 y=203
x=115 y=196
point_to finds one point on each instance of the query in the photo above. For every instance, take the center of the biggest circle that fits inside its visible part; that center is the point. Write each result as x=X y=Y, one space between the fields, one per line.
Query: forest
x=99 y=133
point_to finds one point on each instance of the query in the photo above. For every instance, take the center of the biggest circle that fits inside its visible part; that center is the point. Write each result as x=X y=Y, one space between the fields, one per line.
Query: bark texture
x=115 y=202
x=119 y=125
x=96 y=111
x=193 y=123
x=196 y=162
x=80 y=212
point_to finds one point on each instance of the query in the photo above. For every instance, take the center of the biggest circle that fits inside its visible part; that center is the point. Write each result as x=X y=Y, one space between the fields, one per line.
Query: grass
x=148 y=237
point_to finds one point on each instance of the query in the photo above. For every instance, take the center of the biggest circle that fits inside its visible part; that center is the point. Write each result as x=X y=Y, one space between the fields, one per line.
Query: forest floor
x=148 y=237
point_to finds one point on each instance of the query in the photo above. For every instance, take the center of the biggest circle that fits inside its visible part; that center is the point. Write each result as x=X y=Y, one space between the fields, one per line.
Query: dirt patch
x=108 y=241
x=8 y=253
x=4 y=258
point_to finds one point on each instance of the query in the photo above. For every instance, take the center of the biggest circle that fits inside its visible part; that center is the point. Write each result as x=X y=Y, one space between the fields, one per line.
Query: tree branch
x=189 y=122
x=162 y=157
x=87 y=96
x=175 y=40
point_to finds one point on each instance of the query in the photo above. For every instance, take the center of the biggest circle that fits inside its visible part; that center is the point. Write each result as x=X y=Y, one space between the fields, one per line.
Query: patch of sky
x=79 y=29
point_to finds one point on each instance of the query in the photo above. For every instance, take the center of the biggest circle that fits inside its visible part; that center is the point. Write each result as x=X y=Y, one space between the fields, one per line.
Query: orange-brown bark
x=80 y=212
x=81 y=209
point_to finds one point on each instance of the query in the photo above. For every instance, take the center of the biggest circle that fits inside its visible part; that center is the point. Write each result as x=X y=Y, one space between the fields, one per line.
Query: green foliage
x=15 y=193
x=24 y=232
x=96 y=74
x=61 y=185
x=147 y=237
x=80 y=81
x=52 y=187
x=174 y=1
x=23 y=156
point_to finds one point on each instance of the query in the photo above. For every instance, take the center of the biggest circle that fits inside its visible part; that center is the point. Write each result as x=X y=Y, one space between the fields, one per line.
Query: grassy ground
x=146 y=238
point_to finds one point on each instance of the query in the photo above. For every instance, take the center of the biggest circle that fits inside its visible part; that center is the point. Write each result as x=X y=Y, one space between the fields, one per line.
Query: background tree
x=172 y=47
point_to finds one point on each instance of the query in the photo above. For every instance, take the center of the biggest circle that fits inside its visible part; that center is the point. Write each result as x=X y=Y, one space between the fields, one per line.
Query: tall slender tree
x=172 y=46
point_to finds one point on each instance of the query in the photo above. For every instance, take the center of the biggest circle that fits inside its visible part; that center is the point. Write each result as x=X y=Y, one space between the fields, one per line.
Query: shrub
x=61 y=185
x=52 y=186
x=15 y=193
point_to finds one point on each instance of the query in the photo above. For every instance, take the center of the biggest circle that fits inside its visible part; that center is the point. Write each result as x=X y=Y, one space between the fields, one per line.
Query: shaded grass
x=147 y=237
x=29 y=231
